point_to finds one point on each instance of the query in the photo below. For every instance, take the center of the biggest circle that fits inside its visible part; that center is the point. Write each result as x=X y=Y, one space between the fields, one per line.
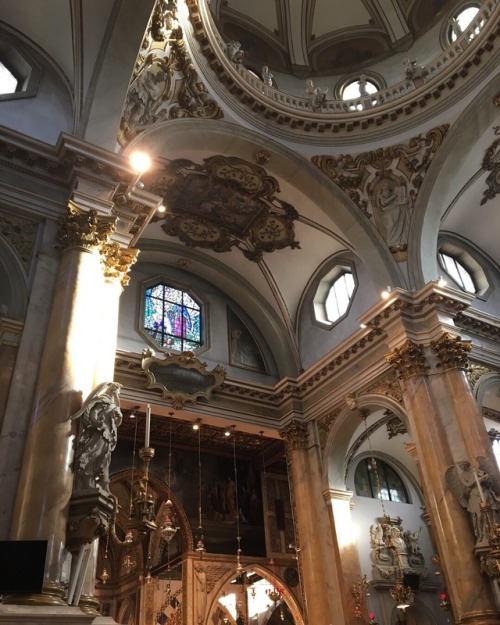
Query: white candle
x=148 y=425
x=481 y=494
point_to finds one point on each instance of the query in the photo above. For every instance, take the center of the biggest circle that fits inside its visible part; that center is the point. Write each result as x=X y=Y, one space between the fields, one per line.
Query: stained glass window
x=172 y=318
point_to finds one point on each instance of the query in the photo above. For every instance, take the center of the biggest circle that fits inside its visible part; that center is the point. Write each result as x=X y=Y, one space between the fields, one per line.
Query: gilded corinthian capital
x=295 y=435
x=451 y=352
x=87 y=229
x=118 y=261
x=408 y=360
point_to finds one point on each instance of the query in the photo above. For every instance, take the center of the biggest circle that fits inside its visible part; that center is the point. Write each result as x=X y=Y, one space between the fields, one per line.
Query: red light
x=371 y=615
x=443 y=596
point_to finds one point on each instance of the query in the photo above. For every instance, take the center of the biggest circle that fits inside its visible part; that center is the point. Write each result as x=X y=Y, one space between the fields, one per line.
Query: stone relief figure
x=234 y=51
x=100 y=417
x=392 y=204
x=316 y=95
x=201 y=591
x=267 y=77
x=395 y=550
x=362 y=82
x=477 y=492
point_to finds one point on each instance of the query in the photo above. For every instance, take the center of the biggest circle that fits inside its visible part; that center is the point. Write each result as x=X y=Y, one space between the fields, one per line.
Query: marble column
x=116 y=262
x=319 y=577
x=443 y=412
x=66 y=377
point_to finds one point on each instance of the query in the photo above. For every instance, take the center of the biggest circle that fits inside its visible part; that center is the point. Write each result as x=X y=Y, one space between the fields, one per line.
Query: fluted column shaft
x=447 y=428
x=320 y=584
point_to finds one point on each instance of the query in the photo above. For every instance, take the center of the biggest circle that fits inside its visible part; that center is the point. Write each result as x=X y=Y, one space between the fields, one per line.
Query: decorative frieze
x=408 y=360
x=295 y=435
x=491 y=163
x=451 y=352
x=21 y=235
x=325 y=425
x=118 y=261
x=84 y=229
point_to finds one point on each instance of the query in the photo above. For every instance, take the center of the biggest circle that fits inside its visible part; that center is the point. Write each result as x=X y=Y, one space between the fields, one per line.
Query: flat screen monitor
x=22 y=565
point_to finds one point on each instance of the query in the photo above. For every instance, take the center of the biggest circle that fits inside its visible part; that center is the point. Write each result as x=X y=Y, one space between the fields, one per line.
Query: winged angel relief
x=478 y=492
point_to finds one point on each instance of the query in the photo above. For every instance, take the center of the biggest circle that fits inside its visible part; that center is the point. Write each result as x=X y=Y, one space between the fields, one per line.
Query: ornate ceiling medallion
x=225 y=202
x=384 y=183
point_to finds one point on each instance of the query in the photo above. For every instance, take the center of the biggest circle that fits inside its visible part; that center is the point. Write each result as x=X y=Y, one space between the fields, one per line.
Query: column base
x=41 y=615
x=52 y=595
x=89 y=605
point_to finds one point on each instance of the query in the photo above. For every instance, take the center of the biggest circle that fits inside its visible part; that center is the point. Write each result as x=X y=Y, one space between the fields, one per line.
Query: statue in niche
x=316 y=96
x=391 y=207
x=477 y=492
x=100 y=417
x=201 y=591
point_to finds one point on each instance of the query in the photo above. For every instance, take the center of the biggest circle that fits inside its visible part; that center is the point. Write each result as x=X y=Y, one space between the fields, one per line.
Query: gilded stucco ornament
x=21 y=235
x=325 y=425
x=165 y=84
x=295 y=435
x=384 y=183
x=222 y=203
x=475 y=372
x=84 y=229
x=181 y=377
x=118 y=261
x=451 y=352
x=408 y=360
x=388 y=386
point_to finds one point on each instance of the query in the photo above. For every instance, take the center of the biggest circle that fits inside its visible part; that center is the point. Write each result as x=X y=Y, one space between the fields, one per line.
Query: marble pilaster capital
x=84 y=229
x=409 y=360
x=117 y=261
x=451 y=352
x=337 y=494
x=295 y=435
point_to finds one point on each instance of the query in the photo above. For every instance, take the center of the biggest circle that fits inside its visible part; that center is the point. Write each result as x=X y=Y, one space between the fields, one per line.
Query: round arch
x=342 y=431
x=288 y=597
x=444 y=180
x=13 y=282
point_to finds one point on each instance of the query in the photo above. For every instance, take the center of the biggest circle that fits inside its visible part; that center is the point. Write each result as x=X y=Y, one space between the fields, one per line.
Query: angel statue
x=477 y=492
x=99 y=417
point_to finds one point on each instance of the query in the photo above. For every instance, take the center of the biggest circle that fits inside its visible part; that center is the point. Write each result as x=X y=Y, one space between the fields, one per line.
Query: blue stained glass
x=172 y=318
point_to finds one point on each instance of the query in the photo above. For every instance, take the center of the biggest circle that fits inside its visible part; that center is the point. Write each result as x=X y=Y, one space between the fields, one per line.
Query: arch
x=443 y=181
x=340 y=435
x=272 y=578
x=13 y=282
x=482 y=386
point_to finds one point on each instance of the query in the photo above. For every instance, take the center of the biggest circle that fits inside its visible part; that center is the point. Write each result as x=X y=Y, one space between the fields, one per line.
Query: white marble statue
x=316 y=95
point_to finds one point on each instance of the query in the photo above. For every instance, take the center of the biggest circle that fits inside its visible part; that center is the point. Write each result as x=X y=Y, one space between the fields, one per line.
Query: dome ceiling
x=320 y=37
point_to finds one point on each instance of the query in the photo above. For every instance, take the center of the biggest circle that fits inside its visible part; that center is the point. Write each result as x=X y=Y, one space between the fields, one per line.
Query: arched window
x=172 y=318
x=460 y=21
x=334 y=295
x=389 y=486
x=457 y=272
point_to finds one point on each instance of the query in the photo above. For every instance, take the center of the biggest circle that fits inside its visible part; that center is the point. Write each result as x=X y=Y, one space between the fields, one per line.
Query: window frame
x=382 y=466
x=478 y=272
x=22 y=65
x=173 y=284
x=446 y=29
x=323 y=290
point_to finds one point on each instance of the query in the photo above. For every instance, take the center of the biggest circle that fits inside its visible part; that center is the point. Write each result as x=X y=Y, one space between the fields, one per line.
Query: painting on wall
x=244 y=351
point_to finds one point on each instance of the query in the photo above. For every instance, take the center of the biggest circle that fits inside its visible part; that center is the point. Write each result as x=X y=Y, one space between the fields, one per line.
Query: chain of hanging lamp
x=200 y=546
x=239 y=567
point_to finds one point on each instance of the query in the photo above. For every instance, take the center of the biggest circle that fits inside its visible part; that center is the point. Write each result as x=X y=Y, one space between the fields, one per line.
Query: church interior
x=250 y=312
